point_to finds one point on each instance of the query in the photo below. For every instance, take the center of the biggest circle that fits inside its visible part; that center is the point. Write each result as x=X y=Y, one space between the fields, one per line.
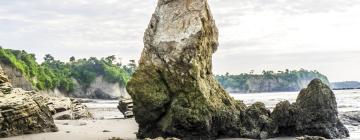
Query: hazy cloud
x=254 y=34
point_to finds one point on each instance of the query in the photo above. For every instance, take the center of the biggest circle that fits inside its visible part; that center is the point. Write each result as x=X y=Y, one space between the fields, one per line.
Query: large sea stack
x=174 y=91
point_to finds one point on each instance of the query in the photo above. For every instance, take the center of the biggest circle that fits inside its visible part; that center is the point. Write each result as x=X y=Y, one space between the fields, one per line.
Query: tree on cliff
x=48 y=58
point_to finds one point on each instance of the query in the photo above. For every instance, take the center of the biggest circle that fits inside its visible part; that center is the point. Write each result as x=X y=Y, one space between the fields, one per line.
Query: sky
x=258 y=35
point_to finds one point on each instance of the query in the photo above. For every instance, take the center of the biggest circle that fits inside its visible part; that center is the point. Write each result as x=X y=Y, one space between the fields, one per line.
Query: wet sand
x=87 y=130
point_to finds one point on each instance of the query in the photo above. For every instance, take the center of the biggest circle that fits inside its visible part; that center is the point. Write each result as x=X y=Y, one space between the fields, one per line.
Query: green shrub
x=53 y=73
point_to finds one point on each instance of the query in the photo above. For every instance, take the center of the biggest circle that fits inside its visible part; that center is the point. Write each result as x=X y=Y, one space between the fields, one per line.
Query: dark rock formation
x=256 y=122
x=22 y=112
x=314 y=113
x=351 y=118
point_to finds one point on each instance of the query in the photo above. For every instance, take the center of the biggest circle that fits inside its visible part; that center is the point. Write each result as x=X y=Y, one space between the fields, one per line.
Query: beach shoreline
x=107 y=124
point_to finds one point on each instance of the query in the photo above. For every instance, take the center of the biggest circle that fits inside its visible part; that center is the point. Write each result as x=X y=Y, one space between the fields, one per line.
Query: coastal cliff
x=270 y=81
x=16 y=78
x=82 y=78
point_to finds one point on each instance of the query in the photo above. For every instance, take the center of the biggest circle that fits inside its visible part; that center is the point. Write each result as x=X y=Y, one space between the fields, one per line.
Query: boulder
x=79 y=110
x=351 y=118
x=257 y=123
x=126 y=107
x=68 y=109
x=314 y=113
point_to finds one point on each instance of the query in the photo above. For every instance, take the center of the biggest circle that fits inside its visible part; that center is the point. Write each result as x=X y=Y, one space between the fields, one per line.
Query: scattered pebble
x=67 y=131
x=106 y=131
x=83 y=123
x=65 y=123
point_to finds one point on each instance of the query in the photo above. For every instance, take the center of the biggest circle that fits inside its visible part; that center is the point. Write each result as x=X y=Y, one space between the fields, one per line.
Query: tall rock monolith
x=173 y=89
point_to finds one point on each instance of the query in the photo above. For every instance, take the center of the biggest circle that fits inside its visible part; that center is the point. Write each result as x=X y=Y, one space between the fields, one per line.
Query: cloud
x=254 y=34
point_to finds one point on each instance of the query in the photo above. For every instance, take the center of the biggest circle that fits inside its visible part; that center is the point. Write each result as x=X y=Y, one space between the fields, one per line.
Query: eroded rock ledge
x=22 y=112
x=175 y=94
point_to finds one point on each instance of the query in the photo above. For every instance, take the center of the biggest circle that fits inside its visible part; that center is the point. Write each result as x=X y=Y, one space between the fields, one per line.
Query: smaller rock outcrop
x=64 y=108
x=351 y=118
x=256 y=122
x=126 y=107
x=310 y=138
x=314 y=113
x=22 y=112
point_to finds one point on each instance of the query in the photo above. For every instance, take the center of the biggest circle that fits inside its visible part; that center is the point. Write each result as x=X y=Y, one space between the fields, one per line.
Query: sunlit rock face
x=314 y=113
x=174 y=91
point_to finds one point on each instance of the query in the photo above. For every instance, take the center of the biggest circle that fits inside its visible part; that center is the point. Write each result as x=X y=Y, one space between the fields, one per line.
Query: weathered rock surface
x=15 y=78
x=314 y=113
x=99 y=89
x=64 y=108
x=351 y=118
x=126 y=107
x=175 y=94
x=22 y=112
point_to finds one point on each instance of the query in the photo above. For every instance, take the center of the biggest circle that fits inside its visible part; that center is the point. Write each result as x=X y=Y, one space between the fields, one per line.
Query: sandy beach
x=87 y=130
x=107 y=121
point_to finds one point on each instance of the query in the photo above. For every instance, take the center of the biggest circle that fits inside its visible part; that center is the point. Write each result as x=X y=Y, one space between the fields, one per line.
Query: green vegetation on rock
x=270 y=81
x=53 y=73
x=40 y=77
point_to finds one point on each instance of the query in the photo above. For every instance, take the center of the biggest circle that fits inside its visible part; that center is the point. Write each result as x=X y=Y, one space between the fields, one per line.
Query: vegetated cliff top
x=270 y=81
x=53 y=73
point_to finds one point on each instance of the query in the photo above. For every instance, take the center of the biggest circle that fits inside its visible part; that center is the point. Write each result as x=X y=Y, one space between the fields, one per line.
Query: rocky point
x=175 y=94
